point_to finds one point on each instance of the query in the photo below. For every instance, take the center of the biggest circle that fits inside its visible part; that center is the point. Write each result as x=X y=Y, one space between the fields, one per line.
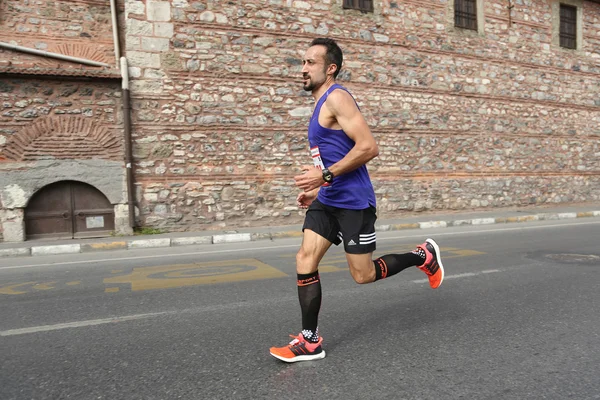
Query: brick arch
x=63 y=138
x=84 y=51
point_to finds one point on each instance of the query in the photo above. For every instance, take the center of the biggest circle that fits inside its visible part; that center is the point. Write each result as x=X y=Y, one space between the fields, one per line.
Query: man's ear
x=331 y=69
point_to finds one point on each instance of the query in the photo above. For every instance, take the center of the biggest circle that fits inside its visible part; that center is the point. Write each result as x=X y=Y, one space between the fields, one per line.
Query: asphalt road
x=516 y=318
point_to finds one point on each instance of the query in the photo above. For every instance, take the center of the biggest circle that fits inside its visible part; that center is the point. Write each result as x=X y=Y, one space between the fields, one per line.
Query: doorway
x=68 y=210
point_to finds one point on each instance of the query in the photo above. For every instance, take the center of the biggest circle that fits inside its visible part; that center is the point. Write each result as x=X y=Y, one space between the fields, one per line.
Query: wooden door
x=67 y=210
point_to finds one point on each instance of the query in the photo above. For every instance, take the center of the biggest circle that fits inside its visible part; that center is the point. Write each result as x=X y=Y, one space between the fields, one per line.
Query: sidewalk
x=423 y=220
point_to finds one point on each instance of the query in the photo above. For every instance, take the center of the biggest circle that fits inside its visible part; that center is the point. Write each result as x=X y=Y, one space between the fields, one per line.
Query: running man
x=338 y=193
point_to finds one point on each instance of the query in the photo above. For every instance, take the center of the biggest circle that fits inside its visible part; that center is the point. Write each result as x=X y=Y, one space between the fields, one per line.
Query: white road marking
x=458 y=276
x=417 y=233
x=79 y=324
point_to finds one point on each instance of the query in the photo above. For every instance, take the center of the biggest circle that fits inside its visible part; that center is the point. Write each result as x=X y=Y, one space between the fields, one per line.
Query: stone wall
x=55 y=130
x=58 y=120
x=463 y=120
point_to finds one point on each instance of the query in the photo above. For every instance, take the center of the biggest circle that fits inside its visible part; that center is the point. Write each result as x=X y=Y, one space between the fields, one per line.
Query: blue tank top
x=352 y=190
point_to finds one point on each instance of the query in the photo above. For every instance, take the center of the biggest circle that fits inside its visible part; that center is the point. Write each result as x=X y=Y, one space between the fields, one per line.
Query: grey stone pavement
x=416 y=220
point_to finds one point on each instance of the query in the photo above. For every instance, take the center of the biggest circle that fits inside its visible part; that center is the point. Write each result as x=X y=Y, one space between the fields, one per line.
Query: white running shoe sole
x=301 y=358
x=438 y=258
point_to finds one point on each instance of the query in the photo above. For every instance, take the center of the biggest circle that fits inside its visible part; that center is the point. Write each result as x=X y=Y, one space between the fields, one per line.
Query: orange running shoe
x=433 y=263
x=299 y=350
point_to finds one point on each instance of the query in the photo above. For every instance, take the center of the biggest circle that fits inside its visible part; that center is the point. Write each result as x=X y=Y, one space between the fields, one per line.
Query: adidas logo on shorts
x=351 y=243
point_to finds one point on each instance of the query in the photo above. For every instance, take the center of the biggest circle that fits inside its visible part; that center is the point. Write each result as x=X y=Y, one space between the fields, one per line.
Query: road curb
x=232 y=238
x=188 y=241
x=248 y=237
x=58 y=249
x=18 y=252
x=148 y=243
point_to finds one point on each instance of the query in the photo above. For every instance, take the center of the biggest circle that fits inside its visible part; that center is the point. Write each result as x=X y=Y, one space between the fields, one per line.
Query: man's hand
x=312 y=178
x=305 y=199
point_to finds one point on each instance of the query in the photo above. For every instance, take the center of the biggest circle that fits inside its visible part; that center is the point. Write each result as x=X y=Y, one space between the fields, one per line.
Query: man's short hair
x=333 y=54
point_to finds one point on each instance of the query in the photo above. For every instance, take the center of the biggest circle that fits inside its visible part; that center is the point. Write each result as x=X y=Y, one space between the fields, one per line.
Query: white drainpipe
x=128 y=143
x=115 y=30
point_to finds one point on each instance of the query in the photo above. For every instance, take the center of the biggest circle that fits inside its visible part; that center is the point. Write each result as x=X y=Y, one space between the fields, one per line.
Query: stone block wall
x=53 y=130
x=59 y=120
x=464 y=120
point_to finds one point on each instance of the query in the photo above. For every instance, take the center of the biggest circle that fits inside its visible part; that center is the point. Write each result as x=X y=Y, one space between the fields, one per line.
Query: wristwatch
x=327 y=175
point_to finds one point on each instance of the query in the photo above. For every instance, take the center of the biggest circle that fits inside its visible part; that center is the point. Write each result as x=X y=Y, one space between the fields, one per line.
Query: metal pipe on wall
x=52 y=55
x=128 y=146
x=126 y=99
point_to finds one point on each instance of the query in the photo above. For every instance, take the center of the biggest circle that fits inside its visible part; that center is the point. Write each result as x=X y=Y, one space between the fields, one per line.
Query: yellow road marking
x=457 y=253
x=330 y=268
x=180 y=275
x=10 y=289
x=44 y=286
x=334 y=260
x=444 y=250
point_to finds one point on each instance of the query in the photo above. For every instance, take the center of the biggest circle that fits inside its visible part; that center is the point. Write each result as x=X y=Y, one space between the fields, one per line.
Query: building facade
x=474 y=103
x=61 y=130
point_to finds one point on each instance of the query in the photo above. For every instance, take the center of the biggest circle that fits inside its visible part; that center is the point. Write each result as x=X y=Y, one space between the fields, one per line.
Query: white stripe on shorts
x=367 y=238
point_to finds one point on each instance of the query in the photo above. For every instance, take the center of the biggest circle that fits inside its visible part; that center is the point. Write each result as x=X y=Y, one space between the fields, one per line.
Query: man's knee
x=362 y=268
x=363 y=274
x=306 y=262
x=362 y=278
x=302 y=256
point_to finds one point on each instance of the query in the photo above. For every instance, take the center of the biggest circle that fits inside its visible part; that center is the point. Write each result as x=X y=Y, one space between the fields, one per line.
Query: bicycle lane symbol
x=182 y=275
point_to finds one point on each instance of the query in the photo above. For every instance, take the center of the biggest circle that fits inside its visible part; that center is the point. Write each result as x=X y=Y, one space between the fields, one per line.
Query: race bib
x=316 y=156
x=317 y=160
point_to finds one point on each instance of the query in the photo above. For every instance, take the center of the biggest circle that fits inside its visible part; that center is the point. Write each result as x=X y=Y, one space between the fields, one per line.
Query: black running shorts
x=356 y=228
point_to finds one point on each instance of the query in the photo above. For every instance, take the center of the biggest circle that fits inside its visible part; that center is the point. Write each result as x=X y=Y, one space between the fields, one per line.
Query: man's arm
x=343 y=108
x=346 y=112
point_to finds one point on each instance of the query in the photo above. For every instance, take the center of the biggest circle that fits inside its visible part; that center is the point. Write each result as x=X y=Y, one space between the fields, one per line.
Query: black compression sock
x=391 y=264
x=309 y=294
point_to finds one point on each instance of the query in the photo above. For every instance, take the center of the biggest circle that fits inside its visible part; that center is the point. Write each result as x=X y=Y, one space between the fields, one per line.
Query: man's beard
x=310 y=86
